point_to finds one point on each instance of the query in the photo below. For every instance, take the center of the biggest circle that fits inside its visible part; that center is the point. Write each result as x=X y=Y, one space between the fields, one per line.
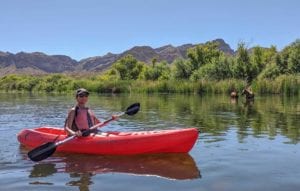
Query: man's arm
x=69 y=123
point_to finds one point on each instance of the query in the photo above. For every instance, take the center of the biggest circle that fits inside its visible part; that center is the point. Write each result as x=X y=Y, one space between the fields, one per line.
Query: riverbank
x=61 y=83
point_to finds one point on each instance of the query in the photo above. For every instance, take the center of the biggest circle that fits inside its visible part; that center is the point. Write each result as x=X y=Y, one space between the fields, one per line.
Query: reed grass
x=284 y=84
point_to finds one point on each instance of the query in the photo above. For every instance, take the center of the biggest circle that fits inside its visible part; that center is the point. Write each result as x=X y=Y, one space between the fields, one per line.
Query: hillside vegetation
x=206 y=69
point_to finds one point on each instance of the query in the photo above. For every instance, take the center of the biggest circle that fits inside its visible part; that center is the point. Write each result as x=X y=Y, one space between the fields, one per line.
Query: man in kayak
x=80 y=117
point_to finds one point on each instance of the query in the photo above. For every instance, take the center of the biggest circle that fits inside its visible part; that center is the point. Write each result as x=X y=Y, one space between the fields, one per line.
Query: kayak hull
x=114 y=143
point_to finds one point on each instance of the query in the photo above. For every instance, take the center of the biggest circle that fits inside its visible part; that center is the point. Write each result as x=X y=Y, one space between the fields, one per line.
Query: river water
x=241 y=146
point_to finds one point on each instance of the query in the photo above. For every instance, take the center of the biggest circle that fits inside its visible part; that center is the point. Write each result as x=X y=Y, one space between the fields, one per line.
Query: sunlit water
x=242 y=146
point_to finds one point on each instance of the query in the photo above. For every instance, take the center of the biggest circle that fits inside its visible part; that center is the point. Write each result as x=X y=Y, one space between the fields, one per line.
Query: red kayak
x=114 y=143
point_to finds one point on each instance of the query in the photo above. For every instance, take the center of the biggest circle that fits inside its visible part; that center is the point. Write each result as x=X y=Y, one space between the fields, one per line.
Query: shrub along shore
x=61 y=83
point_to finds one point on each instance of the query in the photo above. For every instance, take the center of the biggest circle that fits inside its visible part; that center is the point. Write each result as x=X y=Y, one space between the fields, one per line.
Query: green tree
x=203 y=54
x=257 y=59
x=282 y=68
x=244 y=69
x=154 y=61
x=128 y=67
x=290 y=59
x=269 y=54
x=160 y=71
x=294 y=58
x=217 y=70
x=271 y=71
x=182 y=69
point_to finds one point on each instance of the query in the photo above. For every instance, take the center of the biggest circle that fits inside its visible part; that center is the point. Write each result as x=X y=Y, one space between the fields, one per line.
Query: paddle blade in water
x=133 y=109
x=42 y=152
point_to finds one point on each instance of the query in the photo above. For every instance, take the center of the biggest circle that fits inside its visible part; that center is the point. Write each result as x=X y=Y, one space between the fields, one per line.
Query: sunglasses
x=83 y=95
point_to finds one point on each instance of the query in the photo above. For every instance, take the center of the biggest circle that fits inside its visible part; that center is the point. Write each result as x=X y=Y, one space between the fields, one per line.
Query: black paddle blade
x=133 y=109
x=42 y=152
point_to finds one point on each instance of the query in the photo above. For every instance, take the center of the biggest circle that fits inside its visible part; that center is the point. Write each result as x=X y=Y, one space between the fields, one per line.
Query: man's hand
x=114 y=117
x=78 y=133
x=86 y=132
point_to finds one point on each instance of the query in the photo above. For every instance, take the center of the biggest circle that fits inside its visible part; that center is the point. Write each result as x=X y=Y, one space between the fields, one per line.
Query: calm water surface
x=242 y=146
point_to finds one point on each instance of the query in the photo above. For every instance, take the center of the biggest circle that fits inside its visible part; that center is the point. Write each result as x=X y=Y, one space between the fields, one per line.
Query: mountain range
x=41 y=63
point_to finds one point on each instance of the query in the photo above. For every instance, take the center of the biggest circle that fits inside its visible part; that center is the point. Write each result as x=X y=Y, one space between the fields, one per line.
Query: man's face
x=82 y=98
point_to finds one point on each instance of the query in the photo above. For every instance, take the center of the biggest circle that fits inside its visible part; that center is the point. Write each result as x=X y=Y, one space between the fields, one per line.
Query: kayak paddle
x=47 y=149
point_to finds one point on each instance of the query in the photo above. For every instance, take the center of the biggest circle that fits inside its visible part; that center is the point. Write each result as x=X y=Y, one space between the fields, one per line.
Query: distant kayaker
x=80 y=117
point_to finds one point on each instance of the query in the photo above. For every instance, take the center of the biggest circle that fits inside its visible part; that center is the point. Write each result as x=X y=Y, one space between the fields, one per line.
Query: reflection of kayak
x=172 y=166
x=115 y=143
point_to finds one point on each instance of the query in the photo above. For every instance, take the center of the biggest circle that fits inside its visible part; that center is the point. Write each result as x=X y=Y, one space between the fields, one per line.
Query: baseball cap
x=81 y=91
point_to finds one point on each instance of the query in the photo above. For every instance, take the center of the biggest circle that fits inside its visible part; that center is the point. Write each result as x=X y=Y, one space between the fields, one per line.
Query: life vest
x=74 y=126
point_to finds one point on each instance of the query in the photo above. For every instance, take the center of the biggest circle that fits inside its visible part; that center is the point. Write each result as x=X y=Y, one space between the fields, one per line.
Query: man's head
x=81 y=92
x=82 y=96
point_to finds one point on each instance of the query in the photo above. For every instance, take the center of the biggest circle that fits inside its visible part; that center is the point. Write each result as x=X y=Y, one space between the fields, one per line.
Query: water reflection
x=214 y=114
x=84 y=167
x=43 y=170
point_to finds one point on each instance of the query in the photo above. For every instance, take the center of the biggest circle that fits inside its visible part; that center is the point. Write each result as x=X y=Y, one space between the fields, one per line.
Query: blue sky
x=86 y=28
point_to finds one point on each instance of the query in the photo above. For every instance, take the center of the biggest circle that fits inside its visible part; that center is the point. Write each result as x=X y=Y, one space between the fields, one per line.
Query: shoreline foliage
x=205 y=69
